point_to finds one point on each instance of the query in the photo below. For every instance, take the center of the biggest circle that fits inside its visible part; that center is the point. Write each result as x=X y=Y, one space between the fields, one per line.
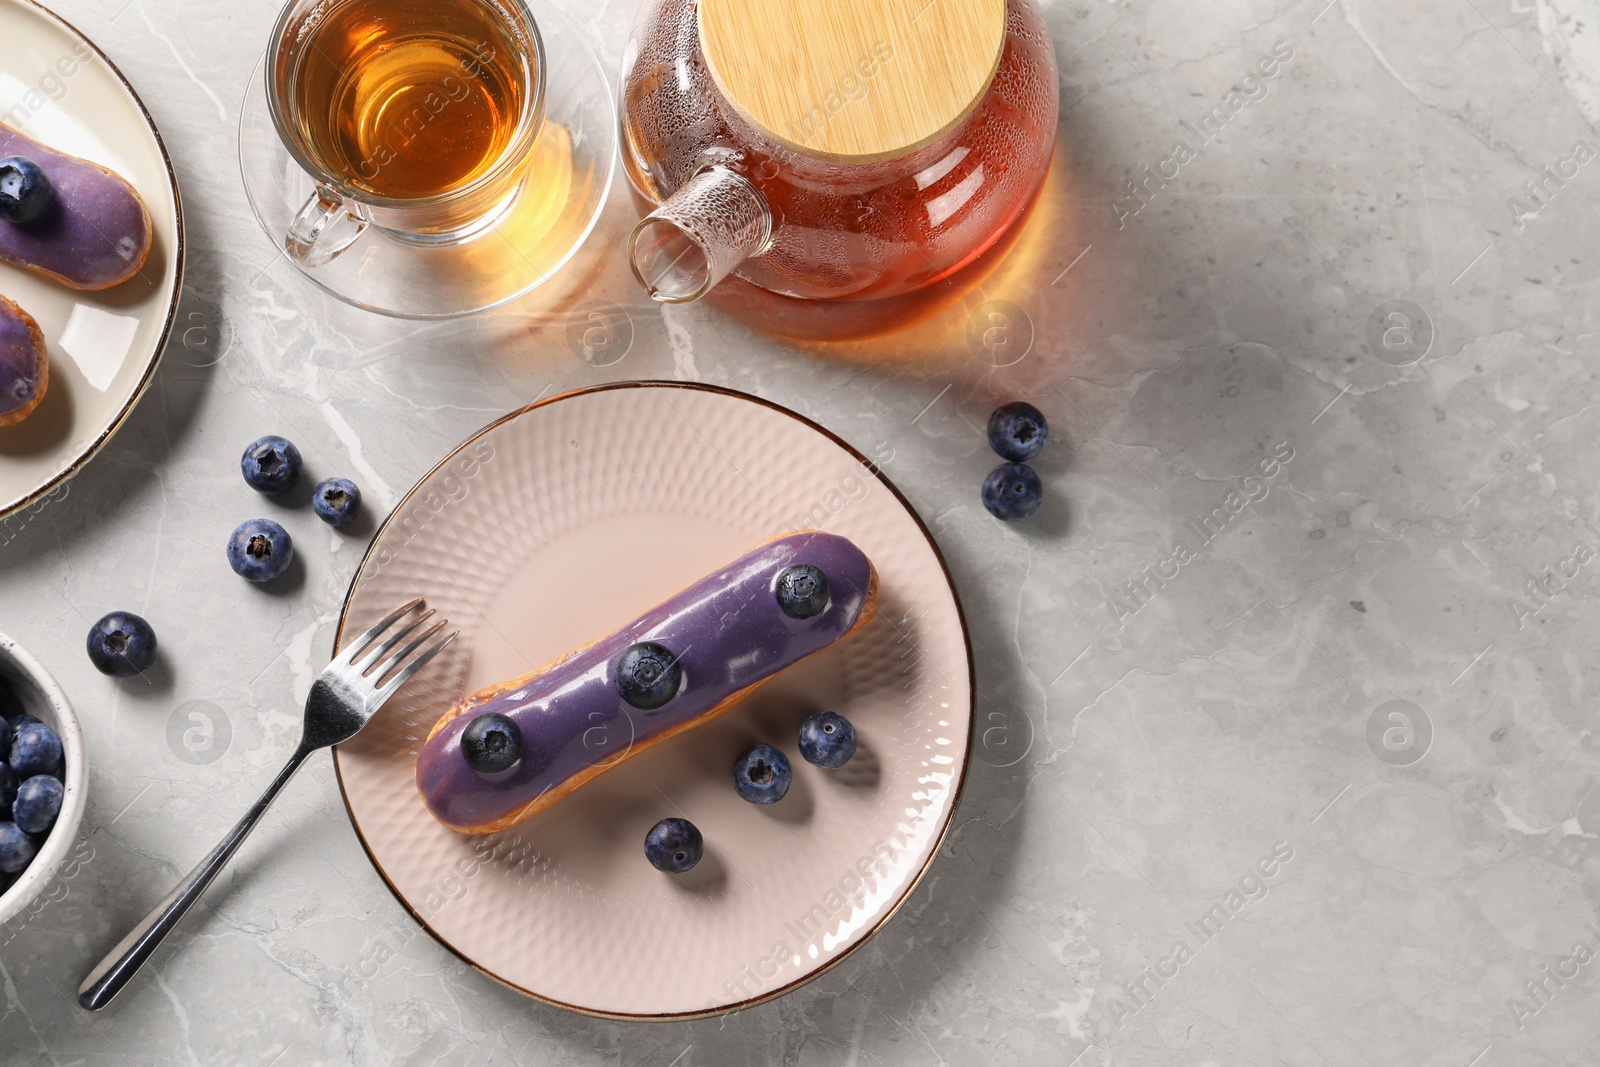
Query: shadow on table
x=126 y=466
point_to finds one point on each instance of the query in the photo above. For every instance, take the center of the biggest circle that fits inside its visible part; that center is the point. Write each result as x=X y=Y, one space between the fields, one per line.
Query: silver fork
x=343 y=700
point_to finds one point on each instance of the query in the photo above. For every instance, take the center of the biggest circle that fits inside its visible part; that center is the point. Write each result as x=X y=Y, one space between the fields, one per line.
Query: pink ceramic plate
x=562 y=522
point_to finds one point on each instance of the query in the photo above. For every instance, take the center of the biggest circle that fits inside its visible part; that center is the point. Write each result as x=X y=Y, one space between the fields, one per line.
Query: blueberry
x=336 y=501
x=122 y=644
x=260 y=550
x=648 y=675
x=38 y=803
x=491 y=743
x=8 y=790
x=10 y=730
x=16 y=848
x=1018 y=431
x=24 y=190
x=35 y=749
x=802 y=591
x=271 y=465
x=827 y=739
x=1012 y=491
x=762 y=775
x=674 y=845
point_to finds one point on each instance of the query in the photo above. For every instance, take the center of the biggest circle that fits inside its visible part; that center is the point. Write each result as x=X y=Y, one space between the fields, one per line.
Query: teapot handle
x=698 y=235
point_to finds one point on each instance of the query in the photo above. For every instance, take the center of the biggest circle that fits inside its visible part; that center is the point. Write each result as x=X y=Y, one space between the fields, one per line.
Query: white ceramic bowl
x=43 y=699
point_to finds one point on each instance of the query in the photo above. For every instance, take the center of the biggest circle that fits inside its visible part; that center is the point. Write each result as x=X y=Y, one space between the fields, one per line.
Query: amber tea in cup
x=416 y=116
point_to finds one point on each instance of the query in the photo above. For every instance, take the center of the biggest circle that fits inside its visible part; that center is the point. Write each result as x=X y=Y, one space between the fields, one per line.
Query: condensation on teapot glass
x=730 y=196
x=715 y=221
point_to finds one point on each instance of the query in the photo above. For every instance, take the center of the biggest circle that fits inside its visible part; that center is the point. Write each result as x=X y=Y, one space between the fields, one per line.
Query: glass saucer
x=569 y=176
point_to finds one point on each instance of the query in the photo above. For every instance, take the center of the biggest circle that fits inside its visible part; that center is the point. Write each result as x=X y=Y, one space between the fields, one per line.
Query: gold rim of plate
x=911 y=885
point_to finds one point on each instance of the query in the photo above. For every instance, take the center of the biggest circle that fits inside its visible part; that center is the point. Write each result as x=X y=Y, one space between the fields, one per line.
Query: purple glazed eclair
x=94 y=234
x=680 y=664
x=24 y=364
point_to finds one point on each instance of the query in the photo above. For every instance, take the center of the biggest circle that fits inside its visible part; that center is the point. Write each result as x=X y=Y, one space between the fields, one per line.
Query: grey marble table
x=1288 y=748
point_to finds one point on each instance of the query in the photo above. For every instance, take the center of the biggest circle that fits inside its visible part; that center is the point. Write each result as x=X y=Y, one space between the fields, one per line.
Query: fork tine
x=360 y=644
x=365 y=662
x=414 y=666
x=381 y=672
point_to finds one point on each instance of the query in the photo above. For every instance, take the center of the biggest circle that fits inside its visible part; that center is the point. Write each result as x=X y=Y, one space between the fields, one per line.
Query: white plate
x=59 y=89
x=562 y=522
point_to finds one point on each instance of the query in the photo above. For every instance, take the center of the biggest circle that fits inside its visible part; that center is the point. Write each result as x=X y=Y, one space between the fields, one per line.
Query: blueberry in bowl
x=827 y=739
x=46 y=777
x=260 y=550
x=674 y=846
x=271 y=465
x=35 y=749
x=336 y=501
x=1018 y=431
x=122 y=644
x=762 y=775
x=17 y=849
x=38 y=803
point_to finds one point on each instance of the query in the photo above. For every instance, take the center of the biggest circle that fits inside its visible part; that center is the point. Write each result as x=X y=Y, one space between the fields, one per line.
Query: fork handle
x=120 y=964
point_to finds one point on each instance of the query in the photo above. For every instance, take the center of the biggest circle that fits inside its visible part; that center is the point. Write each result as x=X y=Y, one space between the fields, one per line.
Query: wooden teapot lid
x=853 y=80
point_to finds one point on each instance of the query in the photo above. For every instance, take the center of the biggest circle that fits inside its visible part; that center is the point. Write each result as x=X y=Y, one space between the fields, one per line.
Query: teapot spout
x=711 y=224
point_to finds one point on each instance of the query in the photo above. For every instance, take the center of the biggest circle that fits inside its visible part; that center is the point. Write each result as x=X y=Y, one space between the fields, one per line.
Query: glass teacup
x=417 y=117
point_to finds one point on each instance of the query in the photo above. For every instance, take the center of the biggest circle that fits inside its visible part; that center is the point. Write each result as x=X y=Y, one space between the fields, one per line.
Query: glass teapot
x=831 y=149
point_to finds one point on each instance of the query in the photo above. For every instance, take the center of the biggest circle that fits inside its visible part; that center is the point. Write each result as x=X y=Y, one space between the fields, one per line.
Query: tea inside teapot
x=831 y=149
